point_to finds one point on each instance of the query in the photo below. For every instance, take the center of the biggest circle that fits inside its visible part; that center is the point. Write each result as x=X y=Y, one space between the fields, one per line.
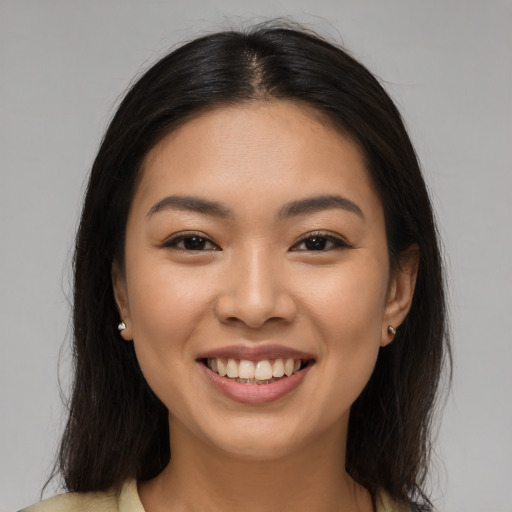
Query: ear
x=400 y=294
x=121 y=298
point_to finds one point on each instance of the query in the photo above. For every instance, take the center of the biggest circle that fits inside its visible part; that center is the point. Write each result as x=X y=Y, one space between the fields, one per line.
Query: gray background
x=63 y=65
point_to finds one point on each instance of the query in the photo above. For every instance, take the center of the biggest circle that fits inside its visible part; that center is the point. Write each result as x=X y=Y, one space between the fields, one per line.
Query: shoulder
x=125 y=501
x=384 y=503
x=77 y=502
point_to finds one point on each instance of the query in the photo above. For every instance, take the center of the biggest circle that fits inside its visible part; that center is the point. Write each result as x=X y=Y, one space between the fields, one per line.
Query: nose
x=254 y=291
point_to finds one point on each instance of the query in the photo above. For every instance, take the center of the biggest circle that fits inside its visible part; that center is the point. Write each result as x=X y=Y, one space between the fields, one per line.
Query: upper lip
x=255 y=353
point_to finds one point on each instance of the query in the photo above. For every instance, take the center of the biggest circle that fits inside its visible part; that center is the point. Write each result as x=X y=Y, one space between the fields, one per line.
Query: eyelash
x=173 y=242
x=337 y=243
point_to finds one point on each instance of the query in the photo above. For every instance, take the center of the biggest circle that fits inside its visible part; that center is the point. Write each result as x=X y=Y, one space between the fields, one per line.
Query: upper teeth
x=259 y=370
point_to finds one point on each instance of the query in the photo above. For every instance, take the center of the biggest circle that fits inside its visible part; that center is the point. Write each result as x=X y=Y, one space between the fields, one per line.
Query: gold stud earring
x=391 y=330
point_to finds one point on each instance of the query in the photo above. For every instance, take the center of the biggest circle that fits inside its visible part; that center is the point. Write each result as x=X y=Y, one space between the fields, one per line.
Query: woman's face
x=256 y=246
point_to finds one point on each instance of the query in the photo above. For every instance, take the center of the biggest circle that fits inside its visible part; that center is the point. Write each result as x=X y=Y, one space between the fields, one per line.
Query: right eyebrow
x=191 y=203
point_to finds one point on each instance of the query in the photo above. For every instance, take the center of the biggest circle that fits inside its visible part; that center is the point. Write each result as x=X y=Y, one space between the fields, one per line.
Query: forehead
x=256 y=149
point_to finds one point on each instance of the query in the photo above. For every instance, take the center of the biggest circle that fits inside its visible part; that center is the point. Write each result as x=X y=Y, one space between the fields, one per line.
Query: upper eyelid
x=320 y=233
x=324 y=234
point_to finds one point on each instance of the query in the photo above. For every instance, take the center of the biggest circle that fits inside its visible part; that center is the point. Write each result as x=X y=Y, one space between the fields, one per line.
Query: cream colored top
x=128 y=501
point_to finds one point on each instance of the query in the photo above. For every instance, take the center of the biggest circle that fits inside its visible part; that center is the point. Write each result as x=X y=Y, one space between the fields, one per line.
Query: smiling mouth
x=265 y=371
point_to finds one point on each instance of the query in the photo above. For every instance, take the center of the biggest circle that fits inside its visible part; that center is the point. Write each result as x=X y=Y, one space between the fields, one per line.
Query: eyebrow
x=319 y=203
x=191 y=203
x=292 y=209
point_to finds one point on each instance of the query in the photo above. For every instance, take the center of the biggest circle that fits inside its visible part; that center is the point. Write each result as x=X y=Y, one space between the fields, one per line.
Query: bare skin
x=257 y=270
x=311 y=480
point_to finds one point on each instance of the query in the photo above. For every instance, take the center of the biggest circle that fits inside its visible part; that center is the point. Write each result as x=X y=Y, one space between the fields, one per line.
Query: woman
x=259 y=315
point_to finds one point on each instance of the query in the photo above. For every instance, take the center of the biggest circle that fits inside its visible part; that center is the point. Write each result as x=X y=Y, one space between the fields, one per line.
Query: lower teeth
x=254 y=381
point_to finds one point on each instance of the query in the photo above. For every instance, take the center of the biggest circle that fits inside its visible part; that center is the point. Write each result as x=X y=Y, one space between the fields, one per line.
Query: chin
x=262 y=449
x=263 y=441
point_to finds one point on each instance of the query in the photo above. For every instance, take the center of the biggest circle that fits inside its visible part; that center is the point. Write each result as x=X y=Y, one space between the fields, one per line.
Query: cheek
x=166 y=308
x=349 y=304
x=347 y=314
x=166 y=301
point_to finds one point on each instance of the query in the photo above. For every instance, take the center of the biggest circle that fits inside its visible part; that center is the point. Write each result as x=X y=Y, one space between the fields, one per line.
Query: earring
x=391 y=330
x=121 y=326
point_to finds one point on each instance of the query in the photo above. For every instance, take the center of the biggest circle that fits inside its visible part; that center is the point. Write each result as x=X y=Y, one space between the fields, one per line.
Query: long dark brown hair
x=117 y=428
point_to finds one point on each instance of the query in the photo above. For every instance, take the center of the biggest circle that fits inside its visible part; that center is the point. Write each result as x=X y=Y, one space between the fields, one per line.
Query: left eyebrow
x=318 y=203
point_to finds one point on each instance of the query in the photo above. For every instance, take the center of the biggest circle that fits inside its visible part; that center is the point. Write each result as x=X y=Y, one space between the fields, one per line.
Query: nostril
x=254 y=305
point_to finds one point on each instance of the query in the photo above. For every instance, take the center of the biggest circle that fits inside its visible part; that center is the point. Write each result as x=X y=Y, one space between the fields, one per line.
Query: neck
x=201 y=477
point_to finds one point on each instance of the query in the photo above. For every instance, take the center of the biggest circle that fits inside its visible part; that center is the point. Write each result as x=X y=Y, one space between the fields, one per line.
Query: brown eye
x=194 y=243
x=316 y=243
x=191 y=243
x=320 y=243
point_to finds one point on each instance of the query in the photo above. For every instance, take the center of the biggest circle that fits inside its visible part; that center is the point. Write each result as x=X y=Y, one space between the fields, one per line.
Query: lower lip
x=255 y=393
